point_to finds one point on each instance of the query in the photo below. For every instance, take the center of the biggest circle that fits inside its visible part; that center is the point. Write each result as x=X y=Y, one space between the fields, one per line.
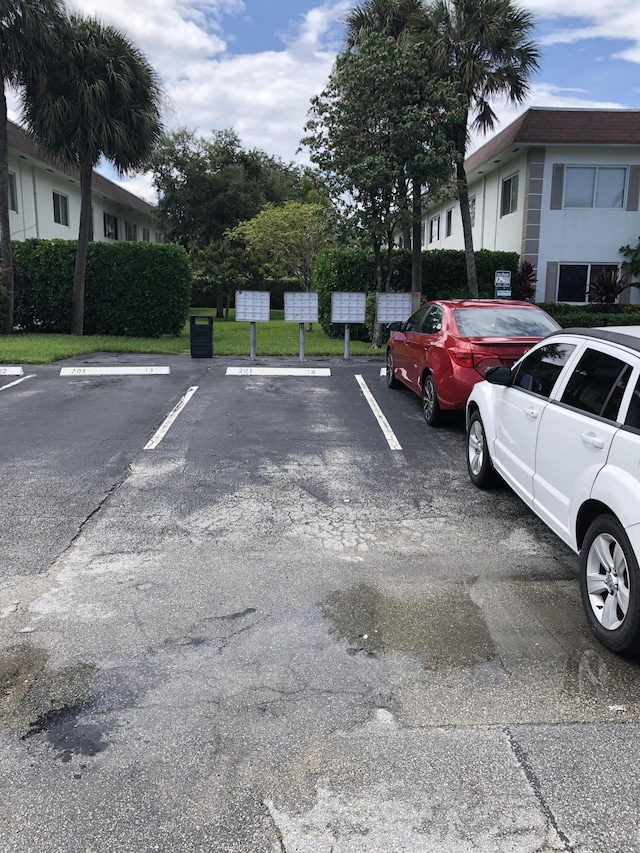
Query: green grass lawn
x=229 y=338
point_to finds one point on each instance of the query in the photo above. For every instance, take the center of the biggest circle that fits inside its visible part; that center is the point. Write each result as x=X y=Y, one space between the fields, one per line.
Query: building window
x=449 y=227
x=158 y=237
x=574 y=280
x=594 y=186
x=434 y=229
x=110 y=226
x=60 y=209
x=13 y=192
x=472 y=210
x=509 y=203
x=130 y=231
x=145 y=235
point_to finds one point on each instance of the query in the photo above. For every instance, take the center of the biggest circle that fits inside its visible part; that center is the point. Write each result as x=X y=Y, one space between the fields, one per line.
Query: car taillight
x=467 y=357
x=462 y=356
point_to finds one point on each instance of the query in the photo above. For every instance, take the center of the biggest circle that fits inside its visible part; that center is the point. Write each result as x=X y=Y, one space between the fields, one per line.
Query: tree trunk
x=5 y=230
x=77 y=322
x=416 y=248
x=465 y=213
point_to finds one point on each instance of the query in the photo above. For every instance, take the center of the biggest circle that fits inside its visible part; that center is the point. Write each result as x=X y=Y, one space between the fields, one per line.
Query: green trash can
x=201 y=336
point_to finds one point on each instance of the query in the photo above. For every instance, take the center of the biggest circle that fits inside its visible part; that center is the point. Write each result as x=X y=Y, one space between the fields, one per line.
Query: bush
x=135 y=289
x=594 y=314
x=444 y=276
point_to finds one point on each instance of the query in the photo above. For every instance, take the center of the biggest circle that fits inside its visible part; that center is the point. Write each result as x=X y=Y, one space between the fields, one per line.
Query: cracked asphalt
x=273 y=634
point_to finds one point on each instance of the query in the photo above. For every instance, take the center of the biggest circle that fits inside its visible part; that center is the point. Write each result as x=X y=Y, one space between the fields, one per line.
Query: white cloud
x=265 y=96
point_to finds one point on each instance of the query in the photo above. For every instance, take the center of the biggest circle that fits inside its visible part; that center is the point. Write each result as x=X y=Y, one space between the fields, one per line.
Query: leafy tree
x=396 y=19
x=207 y=185
x=290 y=235
x=380 y=119
x=95 y=96
x=631 y=264
x=28 y=29
x=483 y=48
x=221 y=268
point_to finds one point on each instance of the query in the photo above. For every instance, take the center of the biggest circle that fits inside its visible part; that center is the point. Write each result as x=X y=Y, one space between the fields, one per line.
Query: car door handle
x=531 y=412
x=592 y=439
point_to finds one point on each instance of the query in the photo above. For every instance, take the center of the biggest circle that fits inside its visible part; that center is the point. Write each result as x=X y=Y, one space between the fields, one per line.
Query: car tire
x=481 y=470
x=430 y=405
x=610 y=586
x=392 y=382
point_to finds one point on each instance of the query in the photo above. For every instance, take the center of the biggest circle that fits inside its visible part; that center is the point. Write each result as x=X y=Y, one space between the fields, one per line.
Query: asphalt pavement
x=255 y=612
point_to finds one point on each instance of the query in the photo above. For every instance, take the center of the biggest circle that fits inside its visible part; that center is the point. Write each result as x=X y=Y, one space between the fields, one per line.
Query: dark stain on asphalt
x=446 y=630
x=67 y=734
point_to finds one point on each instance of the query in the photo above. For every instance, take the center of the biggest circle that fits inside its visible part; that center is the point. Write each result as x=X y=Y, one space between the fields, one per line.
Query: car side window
x=539 y=371
x=415 y=321
x=633 y=412
x=597 y=384
x=433 y=320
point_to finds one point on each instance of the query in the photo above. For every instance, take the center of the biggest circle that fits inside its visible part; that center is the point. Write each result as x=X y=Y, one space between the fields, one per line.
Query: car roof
x=628 y=336
x=483 y=303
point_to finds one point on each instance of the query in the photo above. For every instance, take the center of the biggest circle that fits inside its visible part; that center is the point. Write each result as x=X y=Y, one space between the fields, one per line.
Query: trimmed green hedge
x=444 y=276
x=588 y=316
x=135 y=289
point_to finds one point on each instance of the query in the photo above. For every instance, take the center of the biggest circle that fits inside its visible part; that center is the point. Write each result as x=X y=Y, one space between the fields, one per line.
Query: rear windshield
x=503 y=322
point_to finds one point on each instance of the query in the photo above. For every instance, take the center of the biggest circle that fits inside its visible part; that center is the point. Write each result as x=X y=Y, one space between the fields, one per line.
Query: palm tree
x=96 y=96
x=398 y=19
x=27 y=32
x=394 y=18
x=483 y=48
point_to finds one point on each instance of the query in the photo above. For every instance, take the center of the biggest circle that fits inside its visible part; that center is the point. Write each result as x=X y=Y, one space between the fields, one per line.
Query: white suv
x=562 y=428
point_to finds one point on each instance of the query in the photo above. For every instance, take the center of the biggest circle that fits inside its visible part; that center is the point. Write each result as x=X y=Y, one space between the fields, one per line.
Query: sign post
x=502 y=283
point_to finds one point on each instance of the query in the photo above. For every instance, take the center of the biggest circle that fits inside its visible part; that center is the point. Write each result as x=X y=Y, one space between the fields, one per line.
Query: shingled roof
x=546 y=126
x=19 y=140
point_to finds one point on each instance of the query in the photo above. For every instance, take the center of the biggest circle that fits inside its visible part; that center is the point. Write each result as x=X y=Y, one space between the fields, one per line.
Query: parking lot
x=249 y=611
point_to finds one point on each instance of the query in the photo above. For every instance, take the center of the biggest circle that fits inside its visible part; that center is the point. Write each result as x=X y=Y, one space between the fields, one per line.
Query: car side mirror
x=396 y=326
x=499 y=375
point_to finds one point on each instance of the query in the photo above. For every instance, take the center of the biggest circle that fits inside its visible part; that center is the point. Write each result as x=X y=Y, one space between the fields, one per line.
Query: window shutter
x=557 y=187
x=633 y=193
x=551 y=284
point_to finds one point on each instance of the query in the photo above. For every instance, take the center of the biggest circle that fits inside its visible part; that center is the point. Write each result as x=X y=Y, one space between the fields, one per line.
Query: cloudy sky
x=254 y=64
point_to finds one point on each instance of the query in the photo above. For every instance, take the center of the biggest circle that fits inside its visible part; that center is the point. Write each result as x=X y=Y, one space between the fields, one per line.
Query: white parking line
x=114 y=371
x=17 y=382
x=278 y=371
x=389 y=434
x=163 y=429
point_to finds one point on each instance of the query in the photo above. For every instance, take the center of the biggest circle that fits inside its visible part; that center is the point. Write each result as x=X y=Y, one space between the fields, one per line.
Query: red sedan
x=447 y=346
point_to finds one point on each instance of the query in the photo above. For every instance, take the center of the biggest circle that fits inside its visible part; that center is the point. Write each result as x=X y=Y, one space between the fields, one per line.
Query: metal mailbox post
x=301 y=308
x=348 y=308
x=253 y=306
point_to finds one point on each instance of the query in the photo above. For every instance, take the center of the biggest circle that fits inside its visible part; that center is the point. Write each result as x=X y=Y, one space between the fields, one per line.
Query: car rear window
x=503 y=322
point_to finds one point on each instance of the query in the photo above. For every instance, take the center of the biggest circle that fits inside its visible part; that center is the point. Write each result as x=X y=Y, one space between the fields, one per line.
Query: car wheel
x=392 y=382
x=430 y=406
x=481 y=471
x=609 y=585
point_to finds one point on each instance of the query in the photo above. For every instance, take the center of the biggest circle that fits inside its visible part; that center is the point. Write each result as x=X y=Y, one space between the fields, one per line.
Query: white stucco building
x=559 y=186
x=44 y=199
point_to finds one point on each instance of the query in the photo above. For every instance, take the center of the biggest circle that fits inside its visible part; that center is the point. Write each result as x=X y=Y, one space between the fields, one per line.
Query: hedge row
x=135 y=289
x=588 y=316
x=444 y=276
